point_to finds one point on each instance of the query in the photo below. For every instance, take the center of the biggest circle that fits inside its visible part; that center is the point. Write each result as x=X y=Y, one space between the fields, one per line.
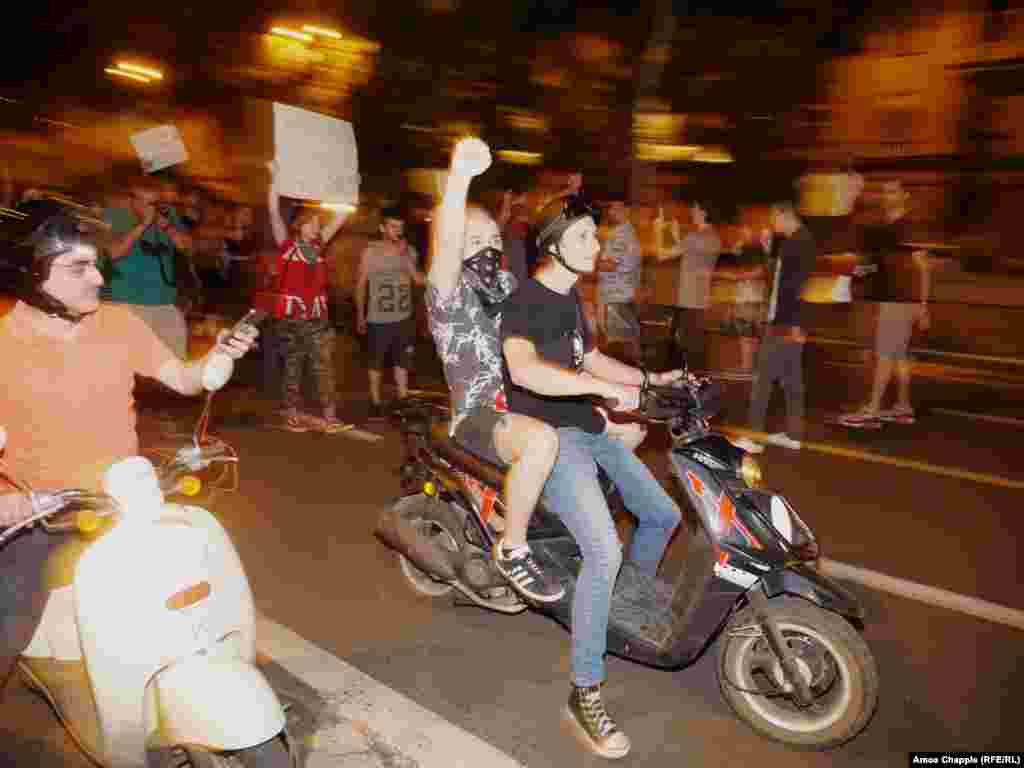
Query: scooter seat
x=464 y=459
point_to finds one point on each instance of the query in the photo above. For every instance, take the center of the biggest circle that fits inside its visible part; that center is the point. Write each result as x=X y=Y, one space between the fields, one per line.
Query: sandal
x=329 y=426
x=860 y=419
x=898 y=415
x=294 y=423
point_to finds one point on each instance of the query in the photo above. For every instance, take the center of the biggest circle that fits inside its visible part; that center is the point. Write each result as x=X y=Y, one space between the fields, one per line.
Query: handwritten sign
x=159 y=148
x=316 y=156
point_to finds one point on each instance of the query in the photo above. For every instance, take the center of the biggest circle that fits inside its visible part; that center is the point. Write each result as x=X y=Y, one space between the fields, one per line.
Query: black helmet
x=556 y=217
x=32 y=235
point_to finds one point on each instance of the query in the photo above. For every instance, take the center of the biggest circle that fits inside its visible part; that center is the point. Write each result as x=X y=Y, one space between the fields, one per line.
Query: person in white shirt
x=618 y=279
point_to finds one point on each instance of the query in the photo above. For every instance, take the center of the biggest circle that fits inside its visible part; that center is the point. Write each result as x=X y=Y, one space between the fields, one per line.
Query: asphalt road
x=303 y=521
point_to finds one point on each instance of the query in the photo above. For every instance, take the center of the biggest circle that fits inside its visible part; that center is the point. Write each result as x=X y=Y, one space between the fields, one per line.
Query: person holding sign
x=387 y=269
x=295 y=295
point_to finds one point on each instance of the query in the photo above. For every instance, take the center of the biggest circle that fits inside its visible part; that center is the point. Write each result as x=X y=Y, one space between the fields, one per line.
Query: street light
x=135 y=72
x=127 y=74
x=331 y=33
x=293 y=34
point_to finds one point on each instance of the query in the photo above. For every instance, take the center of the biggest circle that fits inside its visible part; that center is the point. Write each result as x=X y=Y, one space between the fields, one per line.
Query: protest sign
x=159 y=148
x=316 y=156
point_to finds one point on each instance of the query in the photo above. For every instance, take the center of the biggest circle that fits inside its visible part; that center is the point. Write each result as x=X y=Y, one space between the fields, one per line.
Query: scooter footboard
x=218 y=704
x=803 y=581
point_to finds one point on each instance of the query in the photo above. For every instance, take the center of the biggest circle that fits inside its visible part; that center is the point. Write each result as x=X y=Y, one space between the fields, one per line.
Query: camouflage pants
x=305 y=342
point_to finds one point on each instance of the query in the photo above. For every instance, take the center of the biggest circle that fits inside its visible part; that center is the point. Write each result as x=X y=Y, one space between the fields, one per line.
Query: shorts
x=621 y=321
x=391 y=345
x=895 y=325
x=475 y=433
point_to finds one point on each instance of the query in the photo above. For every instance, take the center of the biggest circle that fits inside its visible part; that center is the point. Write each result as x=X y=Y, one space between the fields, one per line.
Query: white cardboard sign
x=159 y=148
x=316 y=156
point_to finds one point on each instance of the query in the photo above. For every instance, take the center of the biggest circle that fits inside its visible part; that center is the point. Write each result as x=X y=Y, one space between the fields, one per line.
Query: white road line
x=942 y=598
x=1009 y=420
x=419 y=734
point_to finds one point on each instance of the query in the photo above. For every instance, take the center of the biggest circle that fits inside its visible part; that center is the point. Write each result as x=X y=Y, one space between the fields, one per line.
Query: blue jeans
x=574 y=494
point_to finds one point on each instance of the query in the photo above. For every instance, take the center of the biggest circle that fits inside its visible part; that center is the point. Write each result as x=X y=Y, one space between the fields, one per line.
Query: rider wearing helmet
x=551 y=366
x=66 y=404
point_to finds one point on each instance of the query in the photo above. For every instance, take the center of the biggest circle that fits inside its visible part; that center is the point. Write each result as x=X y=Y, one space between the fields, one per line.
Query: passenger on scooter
x=465 y=291
x=552 y=365
x=69 y=366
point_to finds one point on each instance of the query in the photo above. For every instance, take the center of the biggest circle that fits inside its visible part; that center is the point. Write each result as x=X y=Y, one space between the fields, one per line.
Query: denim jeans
x=574 y=494
x=22 y=594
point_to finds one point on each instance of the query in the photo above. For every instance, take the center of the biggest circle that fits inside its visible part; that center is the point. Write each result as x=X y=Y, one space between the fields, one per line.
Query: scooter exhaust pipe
x=425 y=554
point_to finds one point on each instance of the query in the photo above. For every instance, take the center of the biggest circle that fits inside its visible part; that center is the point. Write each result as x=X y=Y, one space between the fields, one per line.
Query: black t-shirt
x=554 y=323
x=799 y=255
x=885 y=244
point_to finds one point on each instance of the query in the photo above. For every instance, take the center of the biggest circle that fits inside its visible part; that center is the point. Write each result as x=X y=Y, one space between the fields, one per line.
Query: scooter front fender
x=803 y=581
x=218 y=704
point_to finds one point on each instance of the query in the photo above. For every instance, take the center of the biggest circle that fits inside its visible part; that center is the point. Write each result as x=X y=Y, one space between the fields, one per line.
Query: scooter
x=791 y=664
x=146 y=647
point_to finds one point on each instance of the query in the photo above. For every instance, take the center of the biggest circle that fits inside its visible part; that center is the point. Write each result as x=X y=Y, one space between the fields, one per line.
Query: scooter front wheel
x=832 y=658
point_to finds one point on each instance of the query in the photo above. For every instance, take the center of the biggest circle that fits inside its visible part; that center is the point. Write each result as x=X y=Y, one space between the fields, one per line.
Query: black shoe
x=377 y=412
x=525 y=575
x=592 y=724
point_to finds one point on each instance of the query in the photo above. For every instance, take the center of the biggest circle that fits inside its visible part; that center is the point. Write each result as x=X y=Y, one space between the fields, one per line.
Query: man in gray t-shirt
x=465 y=290
x=698 y=256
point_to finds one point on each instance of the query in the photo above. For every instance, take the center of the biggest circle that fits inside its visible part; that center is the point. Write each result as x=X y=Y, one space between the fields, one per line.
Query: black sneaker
x=592 y=724
x=525 y=575
x=377 y=412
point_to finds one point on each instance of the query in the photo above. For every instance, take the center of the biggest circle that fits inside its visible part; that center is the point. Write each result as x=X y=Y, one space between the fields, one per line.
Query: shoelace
x=594 y=711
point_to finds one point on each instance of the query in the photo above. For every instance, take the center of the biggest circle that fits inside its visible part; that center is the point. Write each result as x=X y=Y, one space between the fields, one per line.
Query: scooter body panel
x=215 y=703
x=147 y=594
x=803 y=581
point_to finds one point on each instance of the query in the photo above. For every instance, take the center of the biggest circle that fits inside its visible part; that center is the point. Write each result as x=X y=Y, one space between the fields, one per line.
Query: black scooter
x=791 y=662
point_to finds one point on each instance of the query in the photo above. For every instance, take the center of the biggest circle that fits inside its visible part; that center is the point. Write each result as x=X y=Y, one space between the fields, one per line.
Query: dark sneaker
x=592 y=724
x=525 y=575
x=377 y=412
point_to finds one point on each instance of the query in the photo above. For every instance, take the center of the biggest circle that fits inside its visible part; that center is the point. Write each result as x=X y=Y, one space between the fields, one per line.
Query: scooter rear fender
x=803 y=581
x=215 y=703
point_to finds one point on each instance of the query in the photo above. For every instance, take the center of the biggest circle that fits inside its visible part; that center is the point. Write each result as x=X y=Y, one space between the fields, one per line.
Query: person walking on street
x=618 y=278
x=780 y=356
x=383 y=297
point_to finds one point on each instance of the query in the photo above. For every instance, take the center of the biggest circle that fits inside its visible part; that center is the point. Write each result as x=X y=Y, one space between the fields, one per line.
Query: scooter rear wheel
x=832 y=657
x=434 y=519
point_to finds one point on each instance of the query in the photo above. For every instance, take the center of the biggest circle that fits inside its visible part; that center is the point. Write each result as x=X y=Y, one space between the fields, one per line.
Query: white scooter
x=146 y=646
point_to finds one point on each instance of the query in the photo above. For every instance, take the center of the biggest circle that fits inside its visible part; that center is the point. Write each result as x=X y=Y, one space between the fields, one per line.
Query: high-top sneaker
x=592 y=724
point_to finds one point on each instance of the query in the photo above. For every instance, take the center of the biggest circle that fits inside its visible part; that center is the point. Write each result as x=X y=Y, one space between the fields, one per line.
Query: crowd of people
x=103 y=294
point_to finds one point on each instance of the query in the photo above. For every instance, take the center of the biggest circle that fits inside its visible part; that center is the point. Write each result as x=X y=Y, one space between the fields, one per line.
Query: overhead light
x=713 y=155
x=285 y=32
x=342 y=207
x=665 y=153
x=322 y=32
x=155 y=74
x=520 y=157
x=129 y=75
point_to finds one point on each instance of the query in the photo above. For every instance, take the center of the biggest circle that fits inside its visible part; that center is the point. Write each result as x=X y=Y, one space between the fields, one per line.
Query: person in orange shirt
x=66 y=402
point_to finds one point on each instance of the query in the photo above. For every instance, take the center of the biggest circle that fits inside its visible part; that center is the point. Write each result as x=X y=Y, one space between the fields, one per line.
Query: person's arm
x=274 y=206
x=362 y=278
x=923 y=264
x=14 y=507
x=505 y=212
x=470 y=158
x=331 y=228
x=182 y=240
x=121 y=245
x=664 y=252
x=409 y=264
x=186 y=378
x=529 y=370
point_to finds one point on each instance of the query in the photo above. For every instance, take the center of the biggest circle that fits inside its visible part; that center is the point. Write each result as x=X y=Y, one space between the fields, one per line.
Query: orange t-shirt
x=68 y=405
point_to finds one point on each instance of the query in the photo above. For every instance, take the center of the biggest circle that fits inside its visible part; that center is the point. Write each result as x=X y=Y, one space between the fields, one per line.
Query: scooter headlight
x=750 y=472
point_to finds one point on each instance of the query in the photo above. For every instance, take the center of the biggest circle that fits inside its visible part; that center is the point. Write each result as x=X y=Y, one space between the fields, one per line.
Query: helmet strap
x=556 y=252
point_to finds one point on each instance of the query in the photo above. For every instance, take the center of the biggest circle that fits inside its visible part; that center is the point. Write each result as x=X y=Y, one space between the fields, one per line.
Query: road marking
x=943 y=598
x=417 y=733
x=980 y=416
x=895 y=461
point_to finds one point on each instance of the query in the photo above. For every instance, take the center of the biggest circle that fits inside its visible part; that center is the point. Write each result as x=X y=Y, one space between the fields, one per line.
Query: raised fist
x=471 y=157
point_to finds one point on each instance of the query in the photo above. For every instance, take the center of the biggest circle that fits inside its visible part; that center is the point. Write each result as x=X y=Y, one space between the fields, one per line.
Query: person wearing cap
x=552 y=366
x=66 y=402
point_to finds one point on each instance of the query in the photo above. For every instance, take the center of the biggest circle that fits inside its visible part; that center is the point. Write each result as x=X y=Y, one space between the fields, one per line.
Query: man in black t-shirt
x=551 y=366
x=780 y=357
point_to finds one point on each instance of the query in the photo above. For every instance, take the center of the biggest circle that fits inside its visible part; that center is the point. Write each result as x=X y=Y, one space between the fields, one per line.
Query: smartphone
x=253 y=317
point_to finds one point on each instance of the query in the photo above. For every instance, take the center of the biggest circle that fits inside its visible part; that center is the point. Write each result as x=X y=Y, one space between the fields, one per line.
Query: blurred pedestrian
x=514 y=221
x=744 y=266
x=295 y=294
x=901 y=284
x=619 y=265
x=780 y=357
x=698 y=256
x=384 y=307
